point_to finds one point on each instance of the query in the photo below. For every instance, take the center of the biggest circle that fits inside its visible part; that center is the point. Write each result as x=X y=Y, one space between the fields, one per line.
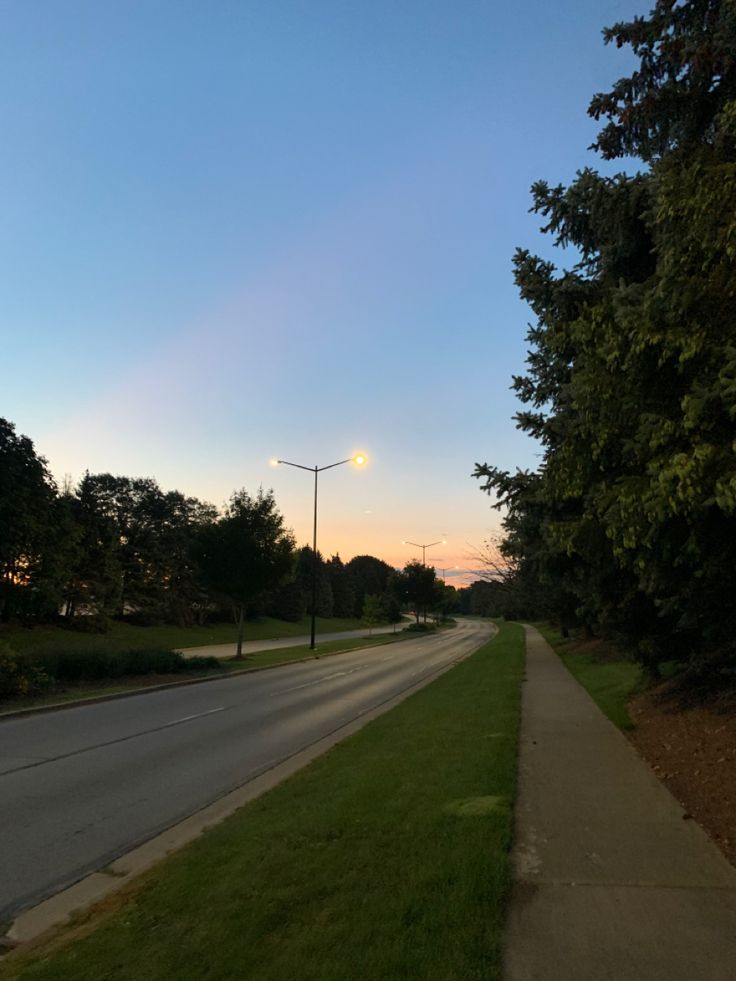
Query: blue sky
x=238 y=230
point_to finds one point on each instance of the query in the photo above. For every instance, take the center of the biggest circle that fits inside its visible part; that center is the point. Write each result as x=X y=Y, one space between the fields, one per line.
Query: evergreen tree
x=630 y=524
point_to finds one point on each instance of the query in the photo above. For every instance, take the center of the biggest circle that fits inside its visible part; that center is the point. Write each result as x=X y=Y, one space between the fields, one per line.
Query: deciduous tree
x=246 y=552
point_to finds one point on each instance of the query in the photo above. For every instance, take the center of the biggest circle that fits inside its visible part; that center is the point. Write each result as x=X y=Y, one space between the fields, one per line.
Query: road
x=80 y=787
x=254 y=646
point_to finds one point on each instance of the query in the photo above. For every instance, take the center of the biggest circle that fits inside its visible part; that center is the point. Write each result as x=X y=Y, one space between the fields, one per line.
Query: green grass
x=610 y=683
x=280 y=655
x=387 y=859
x=125 y=636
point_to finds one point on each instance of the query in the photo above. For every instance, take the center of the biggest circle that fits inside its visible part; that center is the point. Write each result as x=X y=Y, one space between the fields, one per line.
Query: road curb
x=57 y=911
x=95 y=699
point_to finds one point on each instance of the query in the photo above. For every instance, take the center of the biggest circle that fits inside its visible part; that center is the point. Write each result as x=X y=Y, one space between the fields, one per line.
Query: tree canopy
x=118 y=547
x=246 y=552
x=630 y=387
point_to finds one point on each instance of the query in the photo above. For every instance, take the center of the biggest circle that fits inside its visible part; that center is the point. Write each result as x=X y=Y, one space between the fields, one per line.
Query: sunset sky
x=239 y=230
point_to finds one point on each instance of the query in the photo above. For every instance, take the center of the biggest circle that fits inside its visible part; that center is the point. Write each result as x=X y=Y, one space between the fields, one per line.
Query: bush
x=93 y=623
x=145 y=618
x=420 y=628
x=18 y=676
x=81 y=665
x=200 y=663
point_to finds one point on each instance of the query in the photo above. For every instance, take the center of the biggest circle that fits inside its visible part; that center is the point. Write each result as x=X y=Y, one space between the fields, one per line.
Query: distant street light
x=359 y=459
x=424 y=547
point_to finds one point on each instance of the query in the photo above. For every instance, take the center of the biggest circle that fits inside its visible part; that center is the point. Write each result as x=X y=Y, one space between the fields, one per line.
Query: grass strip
x=126 y=636
x=270 y=658
x=609 y=682
x=387 y=858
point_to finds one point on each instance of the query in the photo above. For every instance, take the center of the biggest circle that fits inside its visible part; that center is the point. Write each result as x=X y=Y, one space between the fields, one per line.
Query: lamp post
x=359 y=460
x=424 y=547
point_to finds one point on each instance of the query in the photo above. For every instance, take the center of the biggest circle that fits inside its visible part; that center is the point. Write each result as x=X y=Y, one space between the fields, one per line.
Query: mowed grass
x=126 y=636
x=70 y=692
x=609 y=682
x=387 y=858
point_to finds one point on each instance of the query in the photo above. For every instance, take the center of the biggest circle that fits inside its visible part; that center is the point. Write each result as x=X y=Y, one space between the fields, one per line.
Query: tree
x=343 y=589
x=95 y=583
x=136 y=556
x=369 y=575
x=419 y=585
x=390 y=607
x=372 y=612
x=443 y=600
x=629 y=525
x=287 y=602
x=27 y=493
x=685 y=82
x=246 y=552
x=305 y=570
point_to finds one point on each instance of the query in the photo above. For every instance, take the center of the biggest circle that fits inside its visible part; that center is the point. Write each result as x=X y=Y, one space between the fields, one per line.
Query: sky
x=235 y=231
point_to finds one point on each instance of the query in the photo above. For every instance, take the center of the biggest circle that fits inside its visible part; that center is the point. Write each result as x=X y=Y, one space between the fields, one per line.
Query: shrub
x=200 y=663
x=83 y=665
x=18 y=676
x=92 y=623
x=420 y=628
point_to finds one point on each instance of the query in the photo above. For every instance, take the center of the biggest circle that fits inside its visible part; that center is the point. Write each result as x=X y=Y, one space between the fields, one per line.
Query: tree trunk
x=241 y=626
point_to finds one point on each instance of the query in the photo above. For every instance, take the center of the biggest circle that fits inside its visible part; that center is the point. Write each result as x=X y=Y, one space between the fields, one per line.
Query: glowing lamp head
x=274 y=462
x=359 y=459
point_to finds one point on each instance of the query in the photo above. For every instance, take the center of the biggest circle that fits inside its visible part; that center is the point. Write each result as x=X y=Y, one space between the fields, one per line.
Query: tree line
x=121 y=547
x=116 y=547
x=628 y=526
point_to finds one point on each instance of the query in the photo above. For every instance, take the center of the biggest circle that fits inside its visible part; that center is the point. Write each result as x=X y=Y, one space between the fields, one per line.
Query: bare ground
x=693 y=751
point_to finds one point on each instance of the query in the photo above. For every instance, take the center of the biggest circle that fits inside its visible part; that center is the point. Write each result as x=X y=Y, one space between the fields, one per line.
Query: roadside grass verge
x=66 y=693
x=609 y=680
x=126 y=636
x=387 y=858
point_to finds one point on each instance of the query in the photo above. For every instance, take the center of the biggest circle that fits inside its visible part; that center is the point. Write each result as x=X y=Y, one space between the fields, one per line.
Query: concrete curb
x=94 y=699
x=57 y=911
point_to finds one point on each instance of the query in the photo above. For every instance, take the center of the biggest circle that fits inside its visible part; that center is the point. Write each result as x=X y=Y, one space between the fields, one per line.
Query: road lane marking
x=199 y=715
x=317 y=681
x=109 y=742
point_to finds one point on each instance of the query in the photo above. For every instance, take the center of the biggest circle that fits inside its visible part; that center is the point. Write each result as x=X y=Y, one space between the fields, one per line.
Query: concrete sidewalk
x=255 y=646
x=613 y=881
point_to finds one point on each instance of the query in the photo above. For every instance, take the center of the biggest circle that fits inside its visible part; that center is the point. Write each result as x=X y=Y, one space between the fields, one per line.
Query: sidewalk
x=255 y=646
x=613 y=881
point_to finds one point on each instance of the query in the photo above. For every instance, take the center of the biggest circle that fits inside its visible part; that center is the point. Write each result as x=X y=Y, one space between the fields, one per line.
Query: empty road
x=80 y=787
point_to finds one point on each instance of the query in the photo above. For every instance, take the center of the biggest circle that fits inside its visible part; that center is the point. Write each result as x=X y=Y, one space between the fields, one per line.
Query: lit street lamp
x=359 y=460
x=425 y=547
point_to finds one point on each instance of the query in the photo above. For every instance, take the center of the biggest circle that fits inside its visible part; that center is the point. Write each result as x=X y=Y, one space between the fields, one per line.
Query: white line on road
x=199 y=715
x=317 y=681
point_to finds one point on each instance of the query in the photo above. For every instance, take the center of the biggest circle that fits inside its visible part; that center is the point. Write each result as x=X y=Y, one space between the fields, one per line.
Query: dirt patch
x=693 y=751
x=600 y=651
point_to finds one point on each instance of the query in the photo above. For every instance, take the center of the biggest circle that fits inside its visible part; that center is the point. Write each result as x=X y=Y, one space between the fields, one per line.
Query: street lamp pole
x=424 y=547
x=358 y=459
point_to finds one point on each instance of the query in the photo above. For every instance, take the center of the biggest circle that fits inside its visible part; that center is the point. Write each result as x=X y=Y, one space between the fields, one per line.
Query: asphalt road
x=277 y=643
x=80 y=787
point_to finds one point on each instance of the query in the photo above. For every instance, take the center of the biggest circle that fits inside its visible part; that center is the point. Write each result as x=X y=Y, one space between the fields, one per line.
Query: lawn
x=70 y=692
x=387 y=858
x=125 y=636
x=610 y=682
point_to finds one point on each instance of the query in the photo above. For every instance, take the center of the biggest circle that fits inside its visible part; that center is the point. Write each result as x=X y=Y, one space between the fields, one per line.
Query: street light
x=424 y=547
x=358 y=459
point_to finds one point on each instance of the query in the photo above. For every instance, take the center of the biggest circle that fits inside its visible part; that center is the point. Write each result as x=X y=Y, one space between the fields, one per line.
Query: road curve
x=80 y=787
